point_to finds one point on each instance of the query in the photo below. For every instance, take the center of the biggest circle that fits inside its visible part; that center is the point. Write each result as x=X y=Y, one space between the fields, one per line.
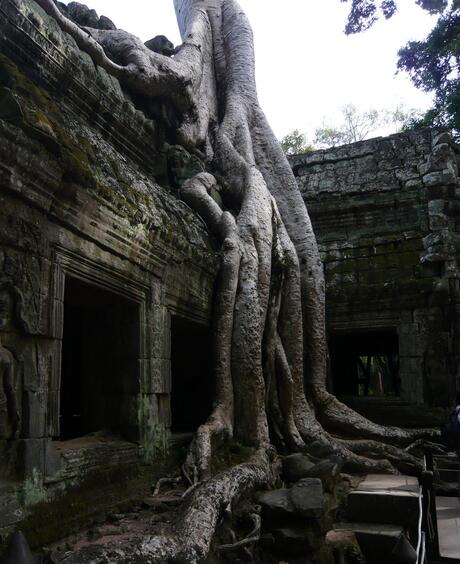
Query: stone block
x=304 y=500
x=384 y=506
x=56 y=319
x=328 y=471
x=296 y=466
x=307 y=498
x=276 y=503
x=34 y=407
x=413 y=183
x=441 y=138
x=375 y=540
x=164 y=409
x=157 y=292
x=53 y=460
x=449 y=175
x=144 y=340
x=160 y=376
x=28 y=367
x=160 y=337
x=438 y=221
x=433 y=178
x=410 y=344
x=31 y=458
x=11 y=512
x=412 y=364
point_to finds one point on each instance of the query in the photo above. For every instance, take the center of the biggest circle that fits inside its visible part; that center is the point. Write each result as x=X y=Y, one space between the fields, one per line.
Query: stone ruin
x=386 y=216
x=106 y=280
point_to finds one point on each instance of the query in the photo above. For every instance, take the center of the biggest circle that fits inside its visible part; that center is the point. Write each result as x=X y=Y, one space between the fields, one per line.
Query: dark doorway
x=99 y=371
x=365 y=363
x=191 y=373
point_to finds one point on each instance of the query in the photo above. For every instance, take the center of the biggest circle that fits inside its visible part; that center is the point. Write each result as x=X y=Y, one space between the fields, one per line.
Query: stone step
x=386 y=499
x=375 y=540
x=449 y=461
x=448 y=514
x=448 y=474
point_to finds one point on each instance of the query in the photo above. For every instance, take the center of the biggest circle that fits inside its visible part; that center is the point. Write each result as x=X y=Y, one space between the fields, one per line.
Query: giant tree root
x=270 y=345
x=195 y=528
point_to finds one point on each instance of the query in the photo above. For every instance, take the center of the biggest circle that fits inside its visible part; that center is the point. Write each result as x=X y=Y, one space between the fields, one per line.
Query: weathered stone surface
x=304 y=499
x=53 y=460
x=328 y=471
x=88 y=192
x=296 y=466
x=377 y=208
x=277 y=502
x=307 y=498
x=31 y=458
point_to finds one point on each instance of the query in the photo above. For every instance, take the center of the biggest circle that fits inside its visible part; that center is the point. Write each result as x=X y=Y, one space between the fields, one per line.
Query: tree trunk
x=270 y=337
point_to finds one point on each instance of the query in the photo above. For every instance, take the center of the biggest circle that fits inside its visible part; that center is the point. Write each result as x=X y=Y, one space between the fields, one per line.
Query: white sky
x=307 y=68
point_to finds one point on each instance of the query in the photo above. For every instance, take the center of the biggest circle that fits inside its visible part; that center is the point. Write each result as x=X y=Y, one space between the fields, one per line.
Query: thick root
x=196 y=525
x=400 y=458
x=339 y=418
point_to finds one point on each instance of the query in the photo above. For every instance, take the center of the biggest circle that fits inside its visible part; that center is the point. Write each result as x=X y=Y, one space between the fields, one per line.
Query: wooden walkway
x=448 y=514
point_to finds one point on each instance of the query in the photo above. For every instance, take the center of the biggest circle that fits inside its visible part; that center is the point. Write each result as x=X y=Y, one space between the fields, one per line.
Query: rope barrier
x=423 y=559
x=419 y=528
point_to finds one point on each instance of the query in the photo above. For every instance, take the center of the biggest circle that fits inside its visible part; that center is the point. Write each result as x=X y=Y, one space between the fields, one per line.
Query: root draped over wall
x=270 y=350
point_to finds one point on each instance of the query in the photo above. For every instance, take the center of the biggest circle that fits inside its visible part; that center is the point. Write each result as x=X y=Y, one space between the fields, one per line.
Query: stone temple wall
x=386 y=216
x=101 y=261
x=89 y=221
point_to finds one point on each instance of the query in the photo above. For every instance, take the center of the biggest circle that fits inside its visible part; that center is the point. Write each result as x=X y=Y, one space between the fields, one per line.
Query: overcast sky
x=307 y=68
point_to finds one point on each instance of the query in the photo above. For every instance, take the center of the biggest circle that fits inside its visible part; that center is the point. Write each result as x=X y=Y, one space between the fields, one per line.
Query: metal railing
x=429 y=528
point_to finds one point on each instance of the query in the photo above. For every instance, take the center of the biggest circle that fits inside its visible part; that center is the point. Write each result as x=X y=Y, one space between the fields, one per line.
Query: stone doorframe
x=411 y=369
x=105 y=277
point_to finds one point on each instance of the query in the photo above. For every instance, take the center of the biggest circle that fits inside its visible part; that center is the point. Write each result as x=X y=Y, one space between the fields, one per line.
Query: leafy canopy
x=364 y=13
x=295 y=143
x=432 y=64
x=356 y=125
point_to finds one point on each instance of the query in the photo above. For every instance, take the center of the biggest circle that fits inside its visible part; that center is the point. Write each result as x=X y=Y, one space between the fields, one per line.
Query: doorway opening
x=99 y=370
x=191 y=374
x=365 y=363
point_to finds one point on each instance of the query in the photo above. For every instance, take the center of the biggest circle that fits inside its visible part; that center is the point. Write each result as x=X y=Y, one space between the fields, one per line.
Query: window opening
x=191 y=373
x=99 y=370
x=365 y=363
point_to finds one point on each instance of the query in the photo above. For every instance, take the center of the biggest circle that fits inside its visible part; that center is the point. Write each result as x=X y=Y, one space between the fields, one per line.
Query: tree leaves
x=433 y=66
x=364 y=13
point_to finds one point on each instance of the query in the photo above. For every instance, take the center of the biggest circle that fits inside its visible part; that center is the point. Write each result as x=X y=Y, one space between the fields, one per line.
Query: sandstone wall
x=88 y=191
x=386 y=215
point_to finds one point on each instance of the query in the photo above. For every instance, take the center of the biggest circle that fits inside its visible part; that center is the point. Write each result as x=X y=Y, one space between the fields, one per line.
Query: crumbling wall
x=89 y=191
x=385 y=212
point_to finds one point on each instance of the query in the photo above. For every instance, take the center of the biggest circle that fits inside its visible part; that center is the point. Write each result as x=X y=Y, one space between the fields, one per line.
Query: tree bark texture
x=270 y=335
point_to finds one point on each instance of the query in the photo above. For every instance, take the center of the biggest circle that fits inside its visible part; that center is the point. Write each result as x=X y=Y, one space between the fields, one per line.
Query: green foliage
x=404 y=118
x=433 y=66
x=355 y=126
x=364 y=13
x=295 y=143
